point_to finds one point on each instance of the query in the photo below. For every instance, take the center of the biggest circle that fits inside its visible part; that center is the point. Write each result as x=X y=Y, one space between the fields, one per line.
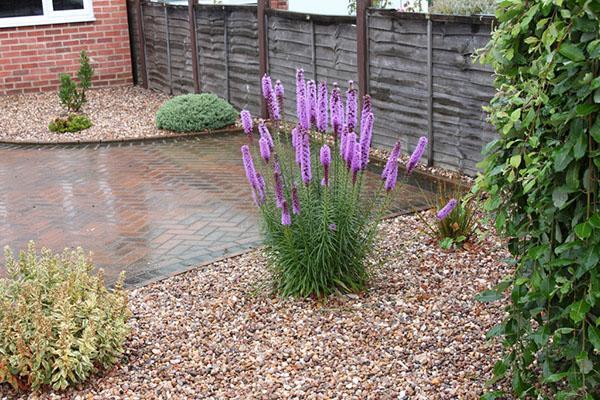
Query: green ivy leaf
x=572 y=52
x=583 y=110
x=578 y=310
x=583 y=230
x=594 y=336
x=559 y=197
x=515 y=160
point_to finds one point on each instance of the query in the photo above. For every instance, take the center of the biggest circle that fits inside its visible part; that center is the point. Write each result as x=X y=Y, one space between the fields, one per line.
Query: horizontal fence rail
x=418 y=68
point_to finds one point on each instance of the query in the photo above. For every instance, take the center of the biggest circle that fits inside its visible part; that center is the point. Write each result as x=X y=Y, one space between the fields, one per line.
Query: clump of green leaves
x=58 y=323
x=463 y=7
x=72 y=123
x=72 y=94
x=542 y=178
x=195 y=113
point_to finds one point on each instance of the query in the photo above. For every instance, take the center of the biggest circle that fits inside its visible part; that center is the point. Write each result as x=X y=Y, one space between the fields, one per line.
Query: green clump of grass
x=72 y=123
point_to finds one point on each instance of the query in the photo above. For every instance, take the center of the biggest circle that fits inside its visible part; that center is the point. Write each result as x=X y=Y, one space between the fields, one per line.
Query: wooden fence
x=418 y=68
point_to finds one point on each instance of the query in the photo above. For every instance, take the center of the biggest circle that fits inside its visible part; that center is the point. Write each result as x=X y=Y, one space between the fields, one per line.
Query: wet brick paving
x=149 y=208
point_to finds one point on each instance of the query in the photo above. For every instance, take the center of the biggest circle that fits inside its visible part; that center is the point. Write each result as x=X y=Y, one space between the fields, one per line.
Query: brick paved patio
x=151 y=209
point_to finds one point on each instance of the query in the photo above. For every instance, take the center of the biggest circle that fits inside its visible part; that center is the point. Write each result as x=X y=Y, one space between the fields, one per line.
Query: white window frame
x=50 y=16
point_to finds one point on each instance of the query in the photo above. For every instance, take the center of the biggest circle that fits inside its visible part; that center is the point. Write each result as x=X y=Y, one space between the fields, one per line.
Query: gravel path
x=417 y=334
x=117 y=113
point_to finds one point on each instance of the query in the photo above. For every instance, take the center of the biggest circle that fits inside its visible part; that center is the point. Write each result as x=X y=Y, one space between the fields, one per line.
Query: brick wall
x=279 y=4
x=32 y=57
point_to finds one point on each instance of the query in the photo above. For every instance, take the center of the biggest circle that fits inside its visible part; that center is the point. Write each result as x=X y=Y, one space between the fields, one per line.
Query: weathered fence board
x=403 y=57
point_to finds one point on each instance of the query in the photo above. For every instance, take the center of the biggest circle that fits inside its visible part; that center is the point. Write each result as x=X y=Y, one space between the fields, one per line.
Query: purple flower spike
x=279 y=197
x=322 y=112
x=279 y=94
x=366 y=108
x=264 y=133
x=337 y=110
x=366 y=134
x=350 y=146
x=325 y=157
x=391 y=178
x=351 y=105
x=246 y=118
x=416 y=155
x=301 y=100
x=305 y=167
x=295 y=200
x=356 y=164
x=269 y=95
x=311 y=87
x=392 y=160
x=265 y=149
x=262 y=188
x=276 y=167
x=249 y=167
x=286 y=218
x=343 y=141
x=297 y=143
x=447 y=209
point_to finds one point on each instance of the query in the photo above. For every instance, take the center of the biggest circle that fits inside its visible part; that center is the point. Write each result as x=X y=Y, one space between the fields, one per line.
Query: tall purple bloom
x=286 y=218
x=325 y=157
x=305 y=167
x=262 y=188
x=366 y=108
x=246 y=118
x=337 y=110
x=279 y=197
x=393 y=159
x=301 y=100
x=297 y=143
x=447 y=209
x=279 y=94
x=295 y=200
x=416 y=155
x=269 y=95
x=391 y=177
x=351 y=105
x=322 y=113
x=366 y=134
x=249 y=167
x=350 y=146
x=343 y=141
x=356 y=163
x=265 y=149
x=311 y=87
x=264 y=133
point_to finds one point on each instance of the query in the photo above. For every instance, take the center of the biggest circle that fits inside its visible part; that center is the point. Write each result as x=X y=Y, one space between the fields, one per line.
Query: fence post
x=362 y=50
x=142 y=43
x=430 y=90
x=194 y=44
x=263 y=51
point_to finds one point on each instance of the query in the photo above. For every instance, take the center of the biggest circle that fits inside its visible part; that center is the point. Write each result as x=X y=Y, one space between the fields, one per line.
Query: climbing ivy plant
x=542 y=179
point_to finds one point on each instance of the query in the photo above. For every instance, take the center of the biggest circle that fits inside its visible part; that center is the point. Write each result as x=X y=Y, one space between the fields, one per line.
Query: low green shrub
x=195 y=113
x=73 y=123
x=58 y=323
x=463 y=7
x=72 y=94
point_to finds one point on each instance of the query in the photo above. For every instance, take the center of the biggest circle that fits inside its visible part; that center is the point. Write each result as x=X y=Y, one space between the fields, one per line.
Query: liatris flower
x=264 y=133
x=325 y=157
x=305 y=167
x=249 y=167
x=297 y=143
x=391 y=177
x=322 y=114
x=333 y=227
x=416 y=155
x=350 y=146
x=295 y=137
x=262 y=188
x=351 y=104
x=356 y=163
x=301 y=101
x=393 y=159
x=447 y=209
x=276 y=166
x=246 y=118
x=286 y=218
x=279 y=93
x=295 y=200
x=311 y=88
x=343 y=141
x=265 y=149
x=279 y=197
x=337 y=110
x=269 y=95
x=366 y=134
x=366 y=108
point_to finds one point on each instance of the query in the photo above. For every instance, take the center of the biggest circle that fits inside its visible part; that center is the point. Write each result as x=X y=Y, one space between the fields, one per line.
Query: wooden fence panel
x=155 y=36
x=336 y=52
x=210 y=27
x=180 y=50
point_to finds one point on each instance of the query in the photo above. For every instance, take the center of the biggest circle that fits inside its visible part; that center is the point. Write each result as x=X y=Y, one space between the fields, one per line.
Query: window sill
x=44 y=20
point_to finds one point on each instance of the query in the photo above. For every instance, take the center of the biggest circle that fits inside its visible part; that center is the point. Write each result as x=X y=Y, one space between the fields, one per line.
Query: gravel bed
x=217 y=332
x=117 y=113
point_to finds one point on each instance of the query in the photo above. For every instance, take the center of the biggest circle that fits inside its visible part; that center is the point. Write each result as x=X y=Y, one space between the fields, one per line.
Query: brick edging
x=24 y=143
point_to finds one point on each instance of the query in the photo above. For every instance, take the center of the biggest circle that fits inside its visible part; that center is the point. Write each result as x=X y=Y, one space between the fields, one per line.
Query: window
x=42 y=12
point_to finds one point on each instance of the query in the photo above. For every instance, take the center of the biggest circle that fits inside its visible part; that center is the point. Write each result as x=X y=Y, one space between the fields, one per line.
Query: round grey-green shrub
x=195 y=112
